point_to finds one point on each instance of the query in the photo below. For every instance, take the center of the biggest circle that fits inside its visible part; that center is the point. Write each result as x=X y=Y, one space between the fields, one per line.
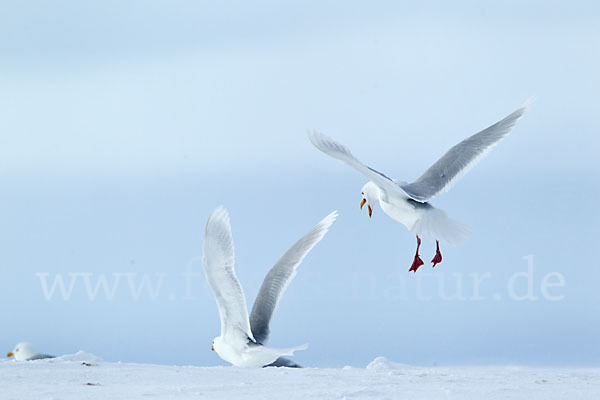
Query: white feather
x=237 y=344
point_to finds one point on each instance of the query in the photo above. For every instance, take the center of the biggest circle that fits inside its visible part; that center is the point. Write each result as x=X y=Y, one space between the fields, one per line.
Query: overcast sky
x=123 y=124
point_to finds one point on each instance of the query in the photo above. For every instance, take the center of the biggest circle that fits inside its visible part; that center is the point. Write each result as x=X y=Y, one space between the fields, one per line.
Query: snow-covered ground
x=82 y=376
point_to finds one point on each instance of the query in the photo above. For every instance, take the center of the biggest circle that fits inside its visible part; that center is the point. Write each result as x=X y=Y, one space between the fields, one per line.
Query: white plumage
x=242 y=338
x=408 y=203
x=25 y=352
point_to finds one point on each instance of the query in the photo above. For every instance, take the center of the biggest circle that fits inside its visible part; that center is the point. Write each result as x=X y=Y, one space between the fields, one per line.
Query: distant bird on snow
x=408 y=203
x=25 y=352
x=242 y=339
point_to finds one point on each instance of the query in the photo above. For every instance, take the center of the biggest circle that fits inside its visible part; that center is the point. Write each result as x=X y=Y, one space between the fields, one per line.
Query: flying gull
x=408 y=203
x=242 y=340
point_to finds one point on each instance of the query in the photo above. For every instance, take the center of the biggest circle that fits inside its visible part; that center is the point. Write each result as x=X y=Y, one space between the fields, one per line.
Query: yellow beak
x=212 y=347
x=10 y=354
x=370 y=210
x=362 y=203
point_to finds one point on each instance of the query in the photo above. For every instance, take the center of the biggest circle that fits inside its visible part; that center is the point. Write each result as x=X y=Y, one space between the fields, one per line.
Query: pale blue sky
x=125 y=123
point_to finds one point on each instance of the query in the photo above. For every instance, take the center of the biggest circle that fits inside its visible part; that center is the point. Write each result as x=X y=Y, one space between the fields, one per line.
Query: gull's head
x=370 y=193
x=22 y=351
x=217 y=344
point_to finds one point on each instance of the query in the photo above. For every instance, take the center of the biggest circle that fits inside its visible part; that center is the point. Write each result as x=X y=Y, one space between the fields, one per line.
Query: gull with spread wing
x=408 y=203
x=242 y=340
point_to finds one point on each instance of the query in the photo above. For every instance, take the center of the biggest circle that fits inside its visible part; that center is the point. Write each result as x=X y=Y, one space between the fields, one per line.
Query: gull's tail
x=265 y=355
x=434 y=224
x=286 y=351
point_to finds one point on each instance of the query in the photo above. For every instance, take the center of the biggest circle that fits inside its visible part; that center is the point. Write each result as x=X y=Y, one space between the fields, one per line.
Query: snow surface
x=84 y=376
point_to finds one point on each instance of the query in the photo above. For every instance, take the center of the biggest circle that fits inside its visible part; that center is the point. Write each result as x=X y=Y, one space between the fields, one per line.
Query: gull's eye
x=17 y=350
x=363 y=193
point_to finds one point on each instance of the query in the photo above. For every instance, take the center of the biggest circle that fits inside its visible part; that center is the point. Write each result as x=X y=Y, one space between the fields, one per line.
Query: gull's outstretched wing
x=457 y=161
x=218 y=261
x=280 y=276
x=342 y=153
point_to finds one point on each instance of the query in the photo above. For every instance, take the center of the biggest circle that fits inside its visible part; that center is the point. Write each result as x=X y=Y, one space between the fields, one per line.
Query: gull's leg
x=438 y=256
x=417 y=262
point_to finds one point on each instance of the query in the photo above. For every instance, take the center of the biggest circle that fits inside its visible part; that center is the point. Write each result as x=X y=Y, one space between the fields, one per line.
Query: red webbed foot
x=417 y=262
x=438 y=256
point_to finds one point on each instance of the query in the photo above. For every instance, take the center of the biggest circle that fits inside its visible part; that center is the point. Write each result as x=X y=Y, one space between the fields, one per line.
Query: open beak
x=362 y=203
x=212 y=348
x=370 y=210
x=10 y=354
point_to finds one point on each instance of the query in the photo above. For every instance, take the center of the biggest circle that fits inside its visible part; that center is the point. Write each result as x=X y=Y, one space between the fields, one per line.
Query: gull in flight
x=408 y=203
x=242 y=340
x=25 y=352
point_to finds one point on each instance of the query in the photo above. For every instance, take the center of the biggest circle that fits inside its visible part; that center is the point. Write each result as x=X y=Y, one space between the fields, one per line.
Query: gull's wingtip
x=315 y=137
x=529 y=103
x=519 y=112
x=219 y=214
x=525 y=107
x=219 y=210
x=329 y=220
